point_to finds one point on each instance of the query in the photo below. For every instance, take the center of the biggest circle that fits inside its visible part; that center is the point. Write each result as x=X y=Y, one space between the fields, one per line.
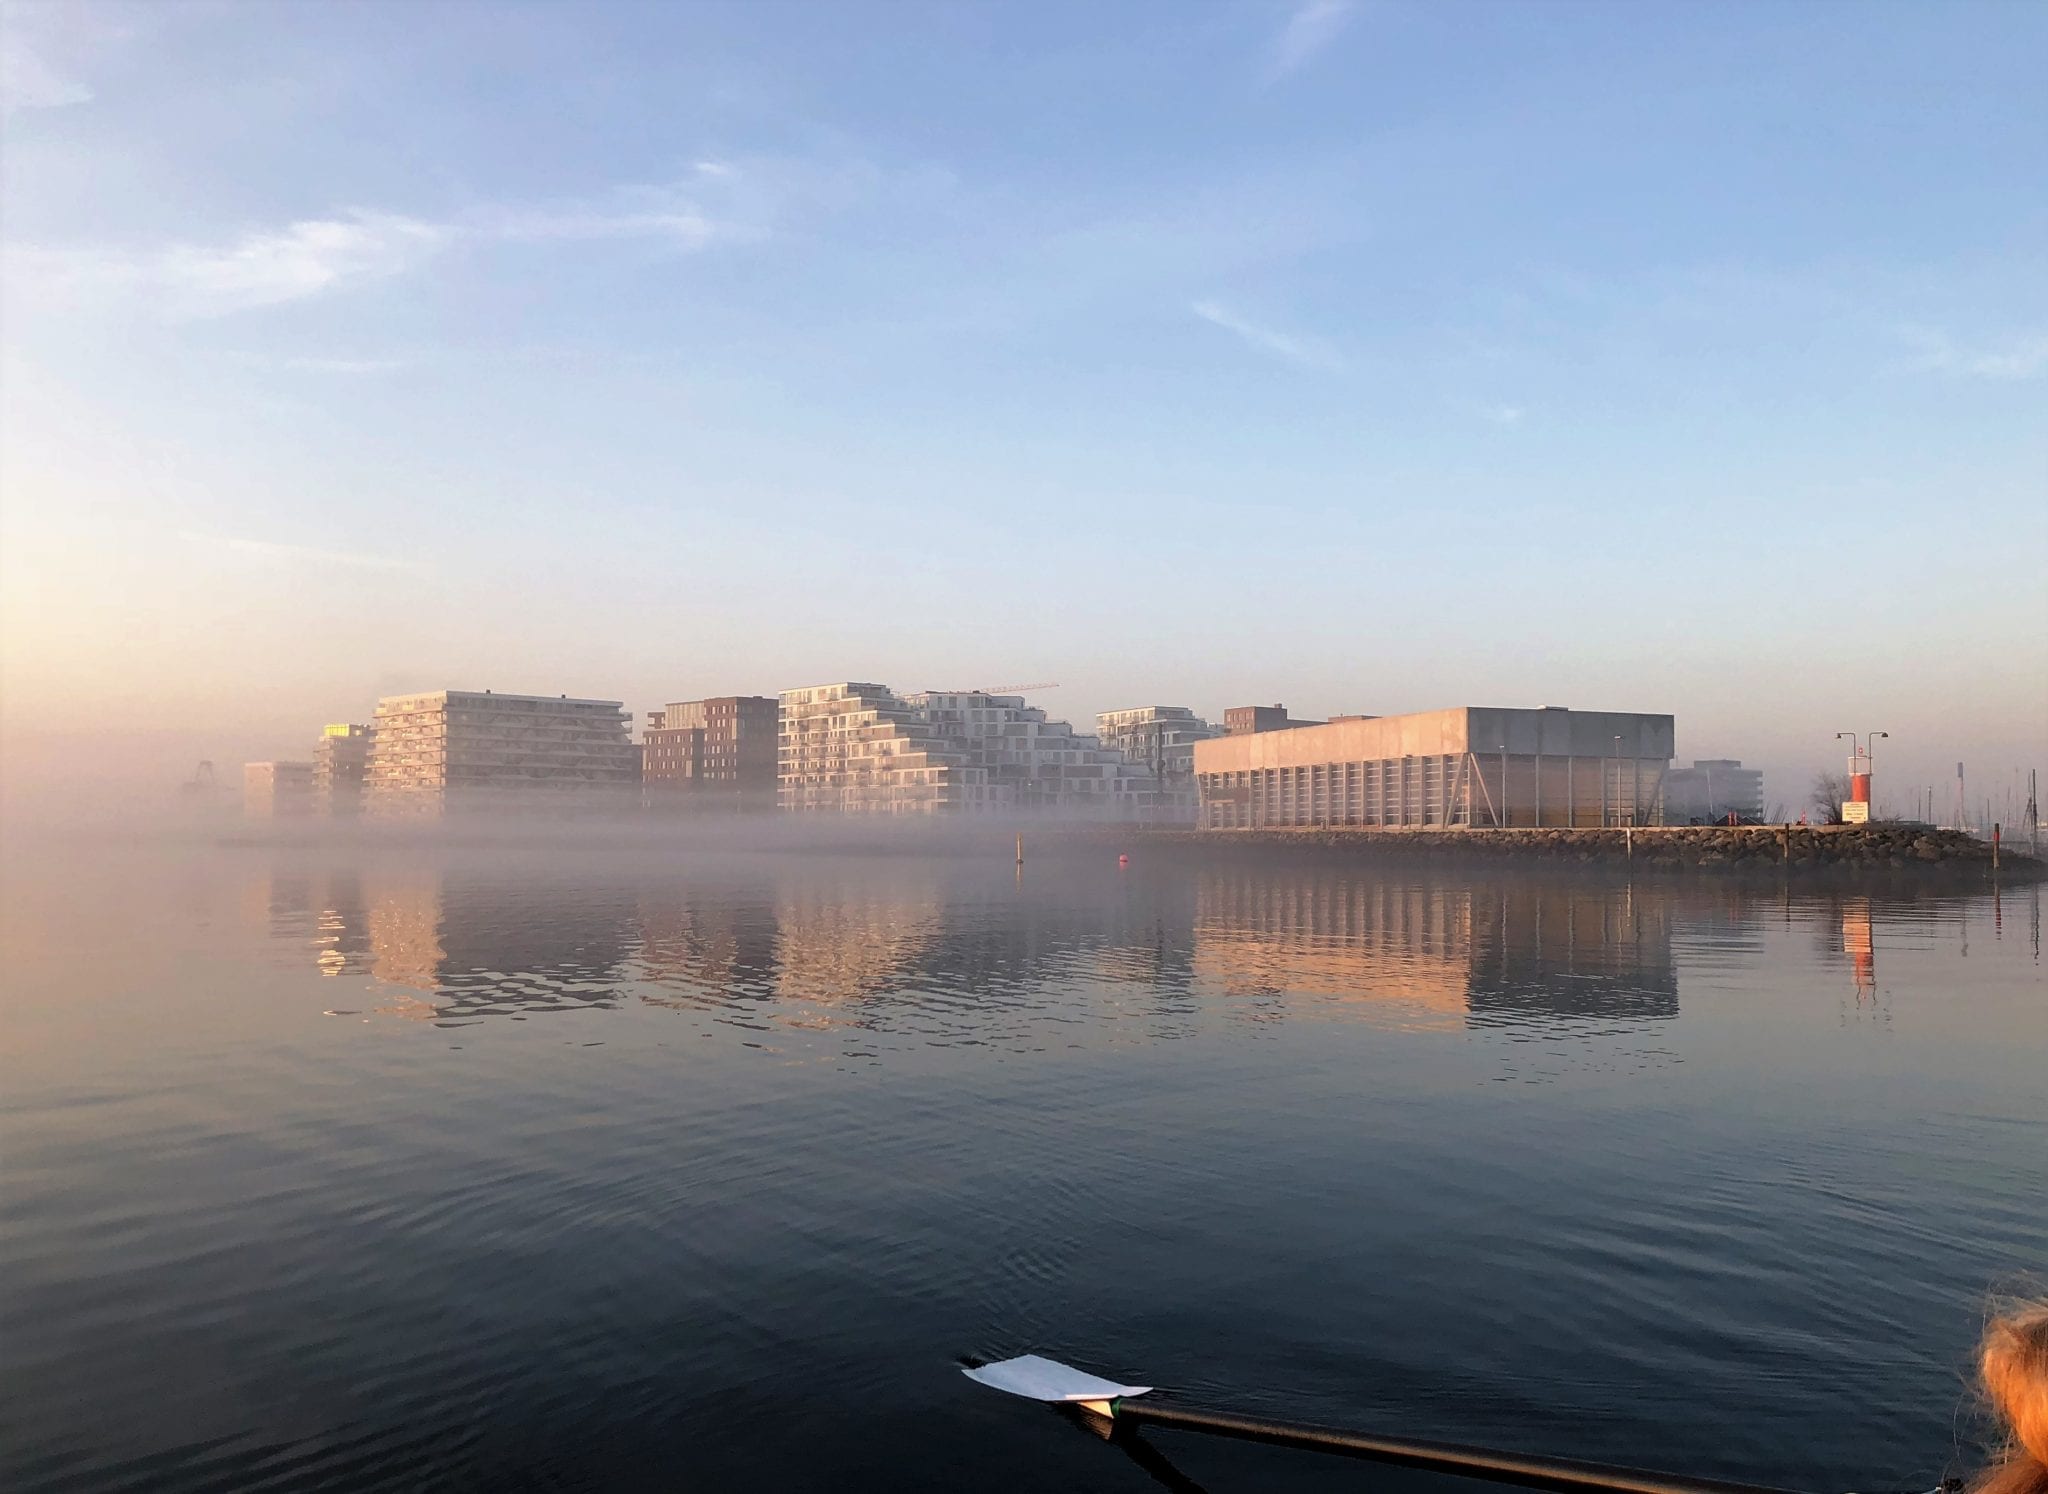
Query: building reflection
x=341 y=925
x=1396 y=954
x=840 y=941
x=909 y=949
x=1549 y=952
x=1433 y=957
x=442 y=943
x=721 y=940
x=1859 y=943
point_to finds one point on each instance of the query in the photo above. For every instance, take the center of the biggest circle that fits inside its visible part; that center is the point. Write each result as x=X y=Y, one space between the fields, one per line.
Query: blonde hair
x=2013 y=1365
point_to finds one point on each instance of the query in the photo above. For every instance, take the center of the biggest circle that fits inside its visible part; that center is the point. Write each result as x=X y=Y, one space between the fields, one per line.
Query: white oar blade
x=1039 y=1379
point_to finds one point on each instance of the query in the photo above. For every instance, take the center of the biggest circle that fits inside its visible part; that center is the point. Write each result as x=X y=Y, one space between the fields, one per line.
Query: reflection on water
x=928 y=953
x=574 y=1169
x=895 y=949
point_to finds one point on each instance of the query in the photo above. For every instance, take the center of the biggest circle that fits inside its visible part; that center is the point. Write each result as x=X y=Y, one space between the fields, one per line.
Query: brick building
x=717 y=754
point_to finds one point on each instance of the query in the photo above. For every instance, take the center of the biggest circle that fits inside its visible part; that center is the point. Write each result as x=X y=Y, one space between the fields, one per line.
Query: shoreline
x=1889 y=851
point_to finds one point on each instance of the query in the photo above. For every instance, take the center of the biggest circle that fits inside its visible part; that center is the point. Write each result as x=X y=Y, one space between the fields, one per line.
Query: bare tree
x=1829 y=790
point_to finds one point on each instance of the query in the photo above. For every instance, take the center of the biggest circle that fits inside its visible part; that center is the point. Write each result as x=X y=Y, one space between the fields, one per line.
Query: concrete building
x=717 y=754
x=1467 y=766
x=859 y=748
x=1240 y=721
x=1712 y=789
x=277 y=791
x=340 y=759
x=450 y=751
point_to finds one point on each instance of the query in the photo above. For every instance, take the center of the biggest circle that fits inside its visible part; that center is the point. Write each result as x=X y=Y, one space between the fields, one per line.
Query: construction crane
x=1020 y=689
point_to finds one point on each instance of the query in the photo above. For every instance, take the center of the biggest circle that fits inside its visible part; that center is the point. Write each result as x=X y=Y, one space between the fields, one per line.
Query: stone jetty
x=1887 y=850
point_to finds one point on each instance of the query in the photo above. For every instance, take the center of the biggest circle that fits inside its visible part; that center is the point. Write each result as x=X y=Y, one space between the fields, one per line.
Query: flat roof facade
x=1465 y=766
x=444 y=749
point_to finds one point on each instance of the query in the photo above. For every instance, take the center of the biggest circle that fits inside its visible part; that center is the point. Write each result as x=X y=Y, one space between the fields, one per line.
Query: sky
x=1366 y=357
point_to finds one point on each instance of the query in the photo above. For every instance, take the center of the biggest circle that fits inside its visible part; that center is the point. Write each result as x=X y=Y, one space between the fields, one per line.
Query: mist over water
x=520 y=1159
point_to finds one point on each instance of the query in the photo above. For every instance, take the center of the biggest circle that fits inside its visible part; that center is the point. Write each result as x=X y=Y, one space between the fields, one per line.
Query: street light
x=1613 y=773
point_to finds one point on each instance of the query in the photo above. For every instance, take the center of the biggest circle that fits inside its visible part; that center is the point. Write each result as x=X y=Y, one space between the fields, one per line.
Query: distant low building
x=717 y=754
x=277 y=790
x=1239 y=721
x=1712 y=789
x=458 y=751
x=340 y=759
x=1468 y=766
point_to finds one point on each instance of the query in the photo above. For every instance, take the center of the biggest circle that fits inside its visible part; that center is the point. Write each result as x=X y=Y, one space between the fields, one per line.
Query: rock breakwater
x=1911 y=850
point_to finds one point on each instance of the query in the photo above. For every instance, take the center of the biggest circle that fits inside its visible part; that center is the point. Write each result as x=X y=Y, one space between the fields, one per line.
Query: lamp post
x=1613 y=773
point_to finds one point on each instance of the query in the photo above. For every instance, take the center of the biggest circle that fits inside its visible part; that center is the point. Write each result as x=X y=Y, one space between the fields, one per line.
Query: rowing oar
x=1040 y=1379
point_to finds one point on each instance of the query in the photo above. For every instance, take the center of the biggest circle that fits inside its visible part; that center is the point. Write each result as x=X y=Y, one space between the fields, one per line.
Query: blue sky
x=1369 y=357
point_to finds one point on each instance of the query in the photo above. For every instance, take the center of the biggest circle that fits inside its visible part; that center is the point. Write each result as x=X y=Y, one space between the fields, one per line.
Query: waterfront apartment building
x=1022 y=760
x=1161 y=738
x=1240 y=721
x=1712 y=789
x=718 y=754
x=450 y=751
x=859 y=748
x=340 y=759
x=1467 y=766
x=277 y=790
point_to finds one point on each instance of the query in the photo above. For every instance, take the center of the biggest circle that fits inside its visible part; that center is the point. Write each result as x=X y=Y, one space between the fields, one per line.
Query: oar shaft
x=1474 y=1462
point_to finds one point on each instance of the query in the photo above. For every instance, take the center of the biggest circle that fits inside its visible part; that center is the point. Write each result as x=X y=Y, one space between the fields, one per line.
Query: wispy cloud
x=316 y=256
x=2023 y=357
x=316 y=555
x=1502 y=414
x=263 y=268
x=1308 y=352
x=1312 y=27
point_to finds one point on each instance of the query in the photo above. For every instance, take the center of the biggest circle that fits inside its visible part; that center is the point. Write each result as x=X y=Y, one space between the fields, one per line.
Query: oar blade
x=1037 y=1378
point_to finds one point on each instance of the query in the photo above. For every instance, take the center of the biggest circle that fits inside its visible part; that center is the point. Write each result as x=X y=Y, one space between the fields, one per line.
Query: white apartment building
x=1024 y=761
x=1160 y=737
x=450 y=750
x=860 y=748
x=856 y=748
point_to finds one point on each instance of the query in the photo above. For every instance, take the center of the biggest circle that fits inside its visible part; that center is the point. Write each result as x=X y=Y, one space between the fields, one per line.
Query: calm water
x=613 y=1169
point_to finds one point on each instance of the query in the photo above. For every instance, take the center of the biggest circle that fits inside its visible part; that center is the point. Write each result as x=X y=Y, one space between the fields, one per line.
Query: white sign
x=1855 y=813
